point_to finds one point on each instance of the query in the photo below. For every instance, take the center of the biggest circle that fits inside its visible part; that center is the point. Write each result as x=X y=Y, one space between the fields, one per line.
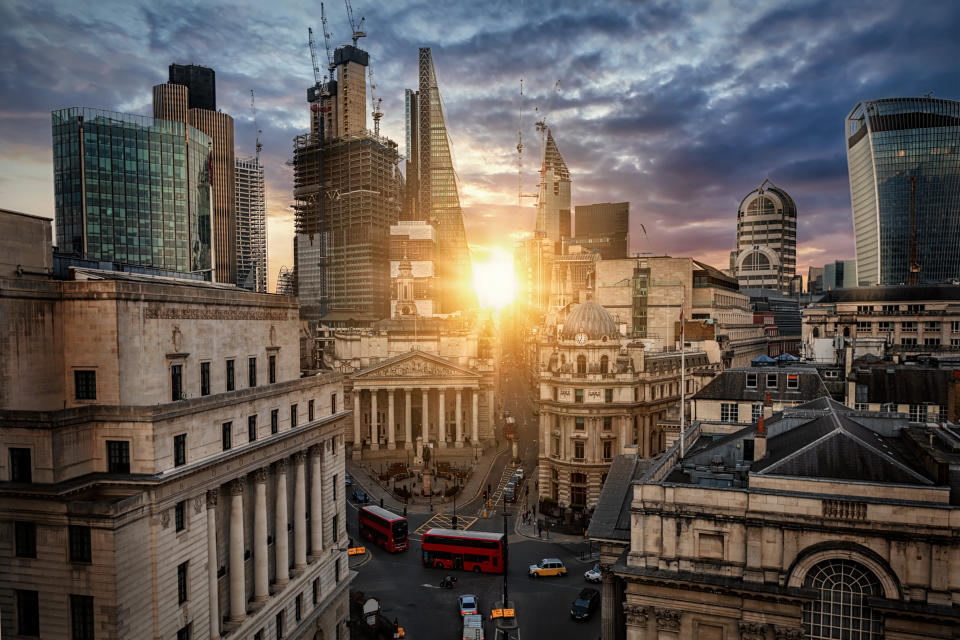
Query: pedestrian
x=534 y=511
x=538 y=528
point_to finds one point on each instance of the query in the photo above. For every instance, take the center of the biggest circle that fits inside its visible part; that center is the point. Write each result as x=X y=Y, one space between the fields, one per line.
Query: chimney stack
x=760 y=441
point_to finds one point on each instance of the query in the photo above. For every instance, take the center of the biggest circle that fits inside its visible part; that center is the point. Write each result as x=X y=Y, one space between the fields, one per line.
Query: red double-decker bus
x=468 y=550
x=383 y=528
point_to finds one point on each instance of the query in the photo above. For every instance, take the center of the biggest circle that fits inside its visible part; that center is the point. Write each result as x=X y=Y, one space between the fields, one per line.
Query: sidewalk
x=474 y=486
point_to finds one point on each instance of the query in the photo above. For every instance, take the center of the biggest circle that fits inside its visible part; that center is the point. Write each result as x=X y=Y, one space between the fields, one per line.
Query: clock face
x=581 y=338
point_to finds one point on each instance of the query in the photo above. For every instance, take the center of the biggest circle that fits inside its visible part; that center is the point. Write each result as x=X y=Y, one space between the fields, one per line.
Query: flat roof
x=457 y=533
x=383 y=513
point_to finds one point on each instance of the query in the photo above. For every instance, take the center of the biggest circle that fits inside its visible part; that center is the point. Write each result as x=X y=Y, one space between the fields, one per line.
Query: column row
x=425 y=432
x=235 y=556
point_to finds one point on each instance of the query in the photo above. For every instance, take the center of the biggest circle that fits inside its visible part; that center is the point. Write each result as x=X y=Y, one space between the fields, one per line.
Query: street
x=411 y=593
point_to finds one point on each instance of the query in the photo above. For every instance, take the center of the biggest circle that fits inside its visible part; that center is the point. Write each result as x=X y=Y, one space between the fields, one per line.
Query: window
x=884 y=327
x=25 y=534
x=578 y=450
x=310 y=411
x=279 y=625
x=298 y=607
x=336 y=569
x=226 y=434
x=756 y=411
x=333 y=403
x=793 y=381
x=231 y=382
x=933 y=325
x=556 y=446
x=118 y=456
x=180 y=450
x=841 y=609
x=729 y=412
x=20 y=469
x=771 y=381
x=252 y=371
x=28 y=613
x=861 y=406
x=864 y=327
x=607 y=448
x=334 y=487
x=316 y=591
x=607 y=423
x=79 y=543
x=81 y=617
x=335 y=531
x=258 y=635
x=578 y=396
x=182 y=583
x=85 y=384
x=955 y=342
x=604 y=364
x=180 y=515
x=910 y=327
x=955 y=326
x=908 y=341
x=891 y=308
x=293 y=416
x=274 y=420
x=578 y=423
x=204 y=378
x=581 y=364
x=751 y=381
x=333 y=449
x=251 y=428
x=183 y=633
x=918 y=413
x=555 y=394
x=915 y=308
x=931 y=342
x=608 y=395
x=864 y=308
x=272 y=368
x=176 y=382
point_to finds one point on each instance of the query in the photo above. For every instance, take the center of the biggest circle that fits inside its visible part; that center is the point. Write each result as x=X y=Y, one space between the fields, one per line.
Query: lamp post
x=506 y=555
x=453 y=520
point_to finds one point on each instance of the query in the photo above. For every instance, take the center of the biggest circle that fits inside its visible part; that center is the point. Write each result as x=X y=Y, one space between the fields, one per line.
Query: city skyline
x=676 y=109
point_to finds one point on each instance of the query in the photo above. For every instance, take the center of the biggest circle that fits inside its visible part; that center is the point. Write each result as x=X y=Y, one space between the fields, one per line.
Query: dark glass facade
x=132 y=189
x=895 y=146
x=201 y=84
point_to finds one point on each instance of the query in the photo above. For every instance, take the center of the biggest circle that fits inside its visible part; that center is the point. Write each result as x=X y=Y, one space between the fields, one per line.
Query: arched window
x=604 y=364
x=841 y=610
x=581 y=364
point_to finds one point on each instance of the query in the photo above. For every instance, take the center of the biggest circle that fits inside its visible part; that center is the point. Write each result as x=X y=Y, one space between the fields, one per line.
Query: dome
x=592 y=319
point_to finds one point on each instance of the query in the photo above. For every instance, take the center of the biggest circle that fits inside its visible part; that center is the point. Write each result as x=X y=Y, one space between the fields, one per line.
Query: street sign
x=356 y=551
x=496 y=613
x=508 y=613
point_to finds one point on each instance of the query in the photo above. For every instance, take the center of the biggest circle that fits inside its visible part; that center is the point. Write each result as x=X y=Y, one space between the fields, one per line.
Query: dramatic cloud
x=679 y=107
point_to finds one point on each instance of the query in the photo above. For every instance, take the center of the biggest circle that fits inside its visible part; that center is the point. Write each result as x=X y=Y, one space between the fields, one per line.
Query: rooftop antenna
x=356 y=28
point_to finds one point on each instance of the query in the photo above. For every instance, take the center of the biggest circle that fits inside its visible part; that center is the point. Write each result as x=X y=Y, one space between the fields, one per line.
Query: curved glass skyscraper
x=898 y=150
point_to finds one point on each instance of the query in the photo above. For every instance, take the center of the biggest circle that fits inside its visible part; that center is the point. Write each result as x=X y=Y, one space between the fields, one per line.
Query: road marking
x=444 y=521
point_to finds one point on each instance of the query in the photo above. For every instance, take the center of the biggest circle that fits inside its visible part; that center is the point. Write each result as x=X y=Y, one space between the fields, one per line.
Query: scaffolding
x=346 y=196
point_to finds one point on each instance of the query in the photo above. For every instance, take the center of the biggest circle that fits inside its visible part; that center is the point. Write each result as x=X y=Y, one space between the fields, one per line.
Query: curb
x=367 y=557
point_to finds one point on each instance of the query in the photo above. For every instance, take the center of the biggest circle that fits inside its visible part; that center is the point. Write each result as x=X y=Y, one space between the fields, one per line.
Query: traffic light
x=484 y=496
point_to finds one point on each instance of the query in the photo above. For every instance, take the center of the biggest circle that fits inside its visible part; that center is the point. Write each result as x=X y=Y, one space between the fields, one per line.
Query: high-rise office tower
x=412 y=268
x=903 y=157
x=170 y=102
x=346 y=196
x=132 y=189
x=411 y=193
x=251 y=225
x=553 y=199
x=604 y=227
x=533 y=271
x=436 y=200
x=201 y=84
x=766 y=239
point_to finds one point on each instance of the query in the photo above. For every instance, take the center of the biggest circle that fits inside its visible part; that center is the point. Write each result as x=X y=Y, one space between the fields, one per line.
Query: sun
x=493 y=278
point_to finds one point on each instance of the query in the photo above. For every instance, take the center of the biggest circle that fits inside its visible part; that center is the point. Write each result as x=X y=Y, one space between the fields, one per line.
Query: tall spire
x=439 y=201
x=553 y=199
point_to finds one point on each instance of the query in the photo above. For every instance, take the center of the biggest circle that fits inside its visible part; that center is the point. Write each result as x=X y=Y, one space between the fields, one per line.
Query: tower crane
x=253 y=108
x=313 y=55
x=326 y=39
x=377 y=112
x=541 y=124
x=520 y=194
x=356 y=28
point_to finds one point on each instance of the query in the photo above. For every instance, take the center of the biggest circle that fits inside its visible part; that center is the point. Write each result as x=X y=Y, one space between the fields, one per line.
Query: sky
x=679 y=107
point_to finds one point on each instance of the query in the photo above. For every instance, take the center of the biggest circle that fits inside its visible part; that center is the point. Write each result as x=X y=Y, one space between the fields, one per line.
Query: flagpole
x=683 y=376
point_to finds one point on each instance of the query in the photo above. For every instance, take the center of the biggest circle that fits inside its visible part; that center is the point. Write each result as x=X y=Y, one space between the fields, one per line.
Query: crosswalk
x=445 y=521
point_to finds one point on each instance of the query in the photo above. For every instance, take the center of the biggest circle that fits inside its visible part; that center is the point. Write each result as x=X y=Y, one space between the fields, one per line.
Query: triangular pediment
x=415 y=364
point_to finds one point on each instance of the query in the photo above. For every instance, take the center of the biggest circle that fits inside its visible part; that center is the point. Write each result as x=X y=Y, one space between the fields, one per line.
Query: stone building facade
x=835 y=524
x=599 y=394
x=164 y=470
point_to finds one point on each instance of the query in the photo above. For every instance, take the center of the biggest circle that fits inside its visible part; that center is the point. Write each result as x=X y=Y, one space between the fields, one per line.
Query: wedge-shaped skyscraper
x=553 y=199
x=436 y=200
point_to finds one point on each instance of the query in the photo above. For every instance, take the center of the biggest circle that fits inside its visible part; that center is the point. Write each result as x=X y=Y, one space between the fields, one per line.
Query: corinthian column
x=281 y=541
x=261 y=583
x=426 y=417
x=408 y=421
x=356 y=419
x=475 y=437
x=442 y=412
x=213 y=590
x=316 y=501
x=459 y=417
x=238 y=596
x=299 y=512
x=391 y=427
x=374 y=419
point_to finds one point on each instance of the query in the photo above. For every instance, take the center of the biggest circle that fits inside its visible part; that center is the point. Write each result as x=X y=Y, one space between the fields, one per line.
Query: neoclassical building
x=599 y=394
x=165 y=472
x=766 y=255
x=819 y=522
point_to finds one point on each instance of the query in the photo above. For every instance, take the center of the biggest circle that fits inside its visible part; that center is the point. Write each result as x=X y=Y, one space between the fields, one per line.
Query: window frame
x=729 y=412
x=79 y=384
x=752 y=376
x=180 y=516
x=24 y=539
x=293 y=415
x=205 y=378
x=176 y=382
x=116 y=460
x=231 y=374
x=79 y=544
x=252 y=428
x=179 y=449
x=226 y=436
x=272 y=368
x=252 y=371
x=183 y=579
x=771 y=377
x=28 y=626
x=20 y=472
x=274 y=421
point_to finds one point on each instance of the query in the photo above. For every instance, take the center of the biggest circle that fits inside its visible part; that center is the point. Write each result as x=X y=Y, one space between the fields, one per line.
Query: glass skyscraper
x=132 y=189
x=896 y=146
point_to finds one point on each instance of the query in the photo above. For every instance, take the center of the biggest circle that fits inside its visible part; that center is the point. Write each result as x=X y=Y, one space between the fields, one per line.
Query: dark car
x=585 y=604
x=360 y=496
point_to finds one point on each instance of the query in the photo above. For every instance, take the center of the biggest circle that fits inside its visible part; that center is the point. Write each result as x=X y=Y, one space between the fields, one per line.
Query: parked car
x=347 y=479
x=585 y=604
x=468 y=604
x=547 y=567
x=473 y=627
x=518 y=473
x=593 y=574
x=509 y=492
x=361 y=496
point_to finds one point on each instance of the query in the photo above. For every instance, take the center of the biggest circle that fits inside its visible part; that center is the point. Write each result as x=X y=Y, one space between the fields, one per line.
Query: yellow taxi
x=547 y=567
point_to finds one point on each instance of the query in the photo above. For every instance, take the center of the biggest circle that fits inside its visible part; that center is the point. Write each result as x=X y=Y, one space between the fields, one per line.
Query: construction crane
x=253 y=108
x=542 y=122
x=356 y=28
x=377 y=113
x=326 y=39
x=520 y=194
x=313 y=56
